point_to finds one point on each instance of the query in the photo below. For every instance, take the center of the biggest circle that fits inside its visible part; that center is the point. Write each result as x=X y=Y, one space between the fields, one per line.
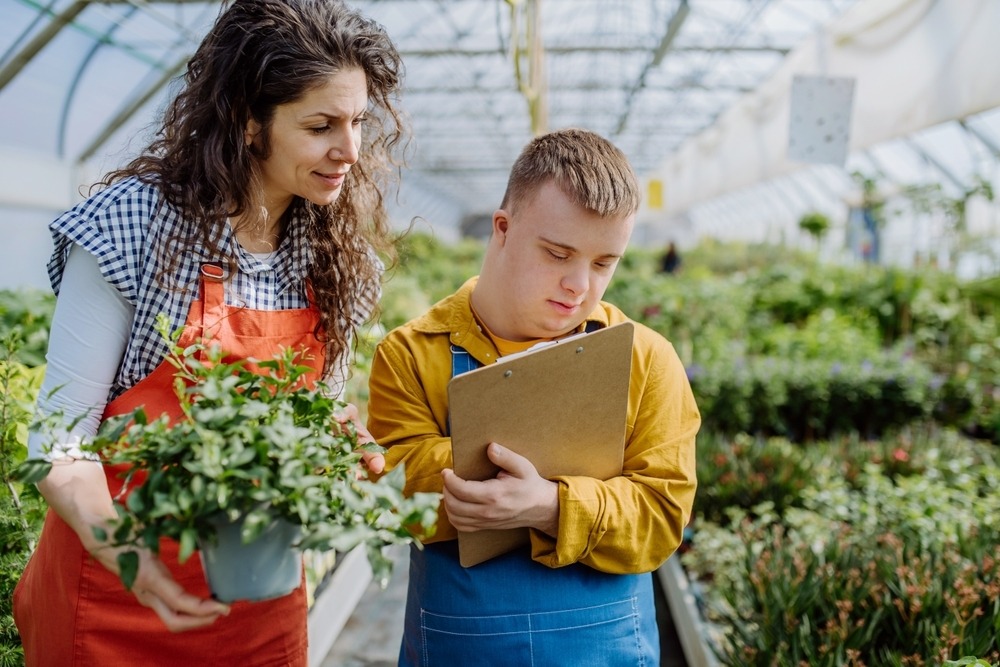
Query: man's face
x=554 y=260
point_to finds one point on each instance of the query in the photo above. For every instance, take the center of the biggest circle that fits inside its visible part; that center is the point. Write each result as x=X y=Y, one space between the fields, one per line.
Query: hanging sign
x=820 y=120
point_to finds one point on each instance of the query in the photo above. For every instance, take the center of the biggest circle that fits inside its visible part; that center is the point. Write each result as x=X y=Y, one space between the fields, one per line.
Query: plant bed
x=693 y=630
x=889 y=555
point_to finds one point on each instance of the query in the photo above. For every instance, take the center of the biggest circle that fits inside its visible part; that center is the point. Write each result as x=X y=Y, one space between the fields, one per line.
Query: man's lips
x=565 y=307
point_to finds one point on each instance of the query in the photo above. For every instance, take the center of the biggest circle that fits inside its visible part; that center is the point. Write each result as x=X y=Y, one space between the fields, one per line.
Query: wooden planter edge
x=336 y=602
x=685 y=614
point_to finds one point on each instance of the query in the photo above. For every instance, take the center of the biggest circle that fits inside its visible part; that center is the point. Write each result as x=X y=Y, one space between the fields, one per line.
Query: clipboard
x=563 y=406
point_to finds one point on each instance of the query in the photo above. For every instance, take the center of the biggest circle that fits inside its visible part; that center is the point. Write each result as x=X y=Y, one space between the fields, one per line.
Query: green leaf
x=188 y=542
x=32 y=471
x=128 y=566
x=255 y=523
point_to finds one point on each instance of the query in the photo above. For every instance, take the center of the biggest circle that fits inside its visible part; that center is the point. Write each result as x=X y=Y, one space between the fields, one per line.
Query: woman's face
x=314 y=142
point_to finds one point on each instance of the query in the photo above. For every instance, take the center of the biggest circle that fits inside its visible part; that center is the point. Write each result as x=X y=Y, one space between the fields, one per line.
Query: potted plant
x=255 y=456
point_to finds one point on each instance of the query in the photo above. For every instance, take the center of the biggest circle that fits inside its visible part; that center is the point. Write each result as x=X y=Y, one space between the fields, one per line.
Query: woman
x=254 y=217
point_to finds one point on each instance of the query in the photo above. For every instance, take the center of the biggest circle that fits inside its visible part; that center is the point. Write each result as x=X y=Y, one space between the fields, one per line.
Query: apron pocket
x=602 y=636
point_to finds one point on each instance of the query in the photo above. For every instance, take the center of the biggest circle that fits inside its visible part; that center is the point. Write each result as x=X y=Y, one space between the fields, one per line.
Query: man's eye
x=557 y=256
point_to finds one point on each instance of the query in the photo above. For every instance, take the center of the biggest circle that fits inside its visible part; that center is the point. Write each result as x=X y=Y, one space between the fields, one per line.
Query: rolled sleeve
x=401 y=419
x=634 y=522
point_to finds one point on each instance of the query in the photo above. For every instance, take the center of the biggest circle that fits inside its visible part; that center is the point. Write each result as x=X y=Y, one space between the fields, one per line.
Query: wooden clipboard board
x=563 y=406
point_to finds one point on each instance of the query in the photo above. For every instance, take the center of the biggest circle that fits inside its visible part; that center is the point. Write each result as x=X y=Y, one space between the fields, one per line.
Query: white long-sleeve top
x=83 y=355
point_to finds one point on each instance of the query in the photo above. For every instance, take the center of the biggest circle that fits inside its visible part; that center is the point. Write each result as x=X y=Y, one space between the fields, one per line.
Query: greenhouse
x=824 y=173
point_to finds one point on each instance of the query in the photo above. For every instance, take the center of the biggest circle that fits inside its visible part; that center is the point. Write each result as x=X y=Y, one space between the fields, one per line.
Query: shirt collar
x=289 y=263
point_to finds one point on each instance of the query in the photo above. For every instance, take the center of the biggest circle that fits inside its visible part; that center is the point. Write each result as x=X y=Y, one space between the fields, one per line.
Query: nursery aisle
x=371 y=636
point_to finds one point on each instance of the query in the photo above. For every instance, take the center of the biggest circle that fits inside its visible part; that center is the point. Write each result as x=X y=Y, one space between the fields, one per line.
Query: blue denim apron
x=512 y=611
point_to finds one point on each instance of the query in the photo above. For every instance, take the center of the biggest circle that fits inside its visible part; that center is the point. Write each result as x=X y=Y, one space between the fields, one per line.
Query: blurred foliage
x=759 y=328
x=21 y=507
x=27 y=312
x=815 y=224
x=883 y=553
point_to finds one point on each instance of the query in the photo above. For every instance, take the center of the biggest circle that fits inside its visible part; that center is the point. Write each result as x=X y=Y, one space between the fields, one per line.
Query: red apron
x=71 y=611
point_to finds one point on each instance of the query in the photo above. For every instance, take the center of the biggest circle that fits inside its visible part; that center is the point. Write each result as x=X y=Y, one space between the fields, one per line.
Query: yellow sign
x=654 y=194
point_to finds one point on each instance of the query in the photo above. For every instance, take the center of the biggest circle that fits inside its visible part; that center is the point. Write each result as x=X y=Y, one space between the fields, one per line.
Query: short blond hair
x=589 y=169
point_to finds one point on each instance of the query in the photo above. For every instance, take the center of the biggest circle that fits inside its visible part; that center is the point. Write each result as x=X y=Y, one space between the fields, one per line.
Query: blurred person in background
x=670 y=260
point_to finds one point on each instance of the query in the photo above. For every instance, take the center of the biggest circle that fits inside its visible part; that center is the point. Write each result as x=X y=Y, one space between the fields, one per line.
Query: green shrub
x=21 y=507
x=745 y=472
x=28 y=312
x=898 y=566
x=816 y=398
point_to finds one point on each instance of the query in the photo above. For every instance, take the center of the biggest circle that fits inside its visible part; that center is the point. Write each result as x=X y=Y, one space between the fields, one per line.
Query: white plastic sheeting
x=917 y=63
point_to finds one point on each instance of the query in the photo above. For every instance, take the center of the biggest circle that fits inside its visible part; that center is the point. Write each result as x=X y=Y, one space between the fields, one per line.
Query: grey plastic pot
x=269 y=567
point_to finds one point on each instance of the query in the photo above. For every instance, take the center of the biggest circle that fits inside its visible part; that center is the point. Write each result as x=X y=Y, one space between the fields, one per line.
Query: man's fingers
x=510 y=461
x=459 y=488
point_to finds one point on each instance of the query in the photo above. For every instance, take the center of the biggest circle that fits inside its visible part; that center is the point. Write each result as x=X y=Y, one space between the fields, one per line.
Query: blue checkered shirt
x=127 y=226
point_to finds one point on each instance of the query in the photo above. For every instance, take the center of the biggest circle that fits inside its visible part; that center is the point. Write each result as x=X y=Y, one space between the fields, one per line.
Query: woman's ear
x=253 y=129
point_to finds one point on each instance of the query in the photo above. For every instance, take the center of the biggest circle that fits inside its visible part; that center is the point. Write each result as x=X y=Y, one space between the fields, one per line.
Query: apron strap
x=213 y=299
x=462 y=361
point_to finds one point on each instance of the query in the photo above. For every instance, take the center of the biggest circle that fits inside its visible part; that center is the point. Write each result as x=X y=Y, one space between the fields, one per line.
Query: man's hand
x=517 y=497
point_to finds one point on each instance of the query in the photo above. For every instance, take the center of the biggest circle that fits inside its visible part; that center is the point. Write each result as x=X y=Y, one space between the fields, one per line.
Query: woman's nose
x=345 y=148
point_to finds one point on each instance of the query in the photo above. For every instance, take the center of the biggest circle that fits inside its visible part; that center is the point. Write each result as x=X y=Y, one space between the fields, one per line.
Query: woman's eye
x=557 y=256
x=360 y=120
x=320 y=130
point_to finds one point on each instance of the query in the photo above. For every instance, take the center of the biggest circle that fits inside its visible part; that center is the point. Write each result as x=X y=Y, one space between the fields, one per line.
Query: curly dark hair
x=261 y=54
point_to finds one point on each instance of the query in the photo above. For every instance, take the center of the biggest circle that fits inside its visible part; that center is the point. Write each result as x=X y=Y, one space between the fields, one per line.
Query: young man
x=581 y=594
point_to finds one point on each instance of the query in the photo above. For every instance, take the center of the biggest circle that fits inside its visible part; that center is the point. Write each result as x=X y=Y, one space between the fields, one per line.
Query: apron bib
x=513 y=611
x=71 y=611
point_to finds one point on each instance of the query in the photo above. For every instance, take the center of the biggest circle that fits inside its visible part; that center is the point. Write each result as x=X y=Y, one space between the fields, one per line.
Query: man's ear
x=501 y=222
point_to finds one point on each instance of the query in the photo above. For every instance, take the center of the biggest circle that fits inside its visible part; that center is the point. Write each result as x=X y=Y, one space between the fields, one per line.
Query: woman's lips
x=332 y=180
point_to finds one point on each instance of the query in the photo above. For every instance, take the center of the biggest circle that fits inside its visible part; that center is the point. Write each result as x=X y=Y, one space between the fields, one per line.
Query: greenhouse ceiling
x=81 y=80
x=77 y=77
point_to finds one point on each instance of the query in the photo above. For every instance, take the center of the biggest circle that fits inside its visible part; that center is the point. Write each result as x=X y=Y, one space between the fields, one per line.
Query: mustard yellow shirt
x=627 y=524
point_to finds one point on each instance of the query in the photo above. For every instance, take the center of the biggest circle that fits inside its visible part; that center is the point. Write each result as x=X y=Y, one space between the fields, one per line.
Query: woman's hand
x=78 y=492
x=154 y=587
x=373 y=461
